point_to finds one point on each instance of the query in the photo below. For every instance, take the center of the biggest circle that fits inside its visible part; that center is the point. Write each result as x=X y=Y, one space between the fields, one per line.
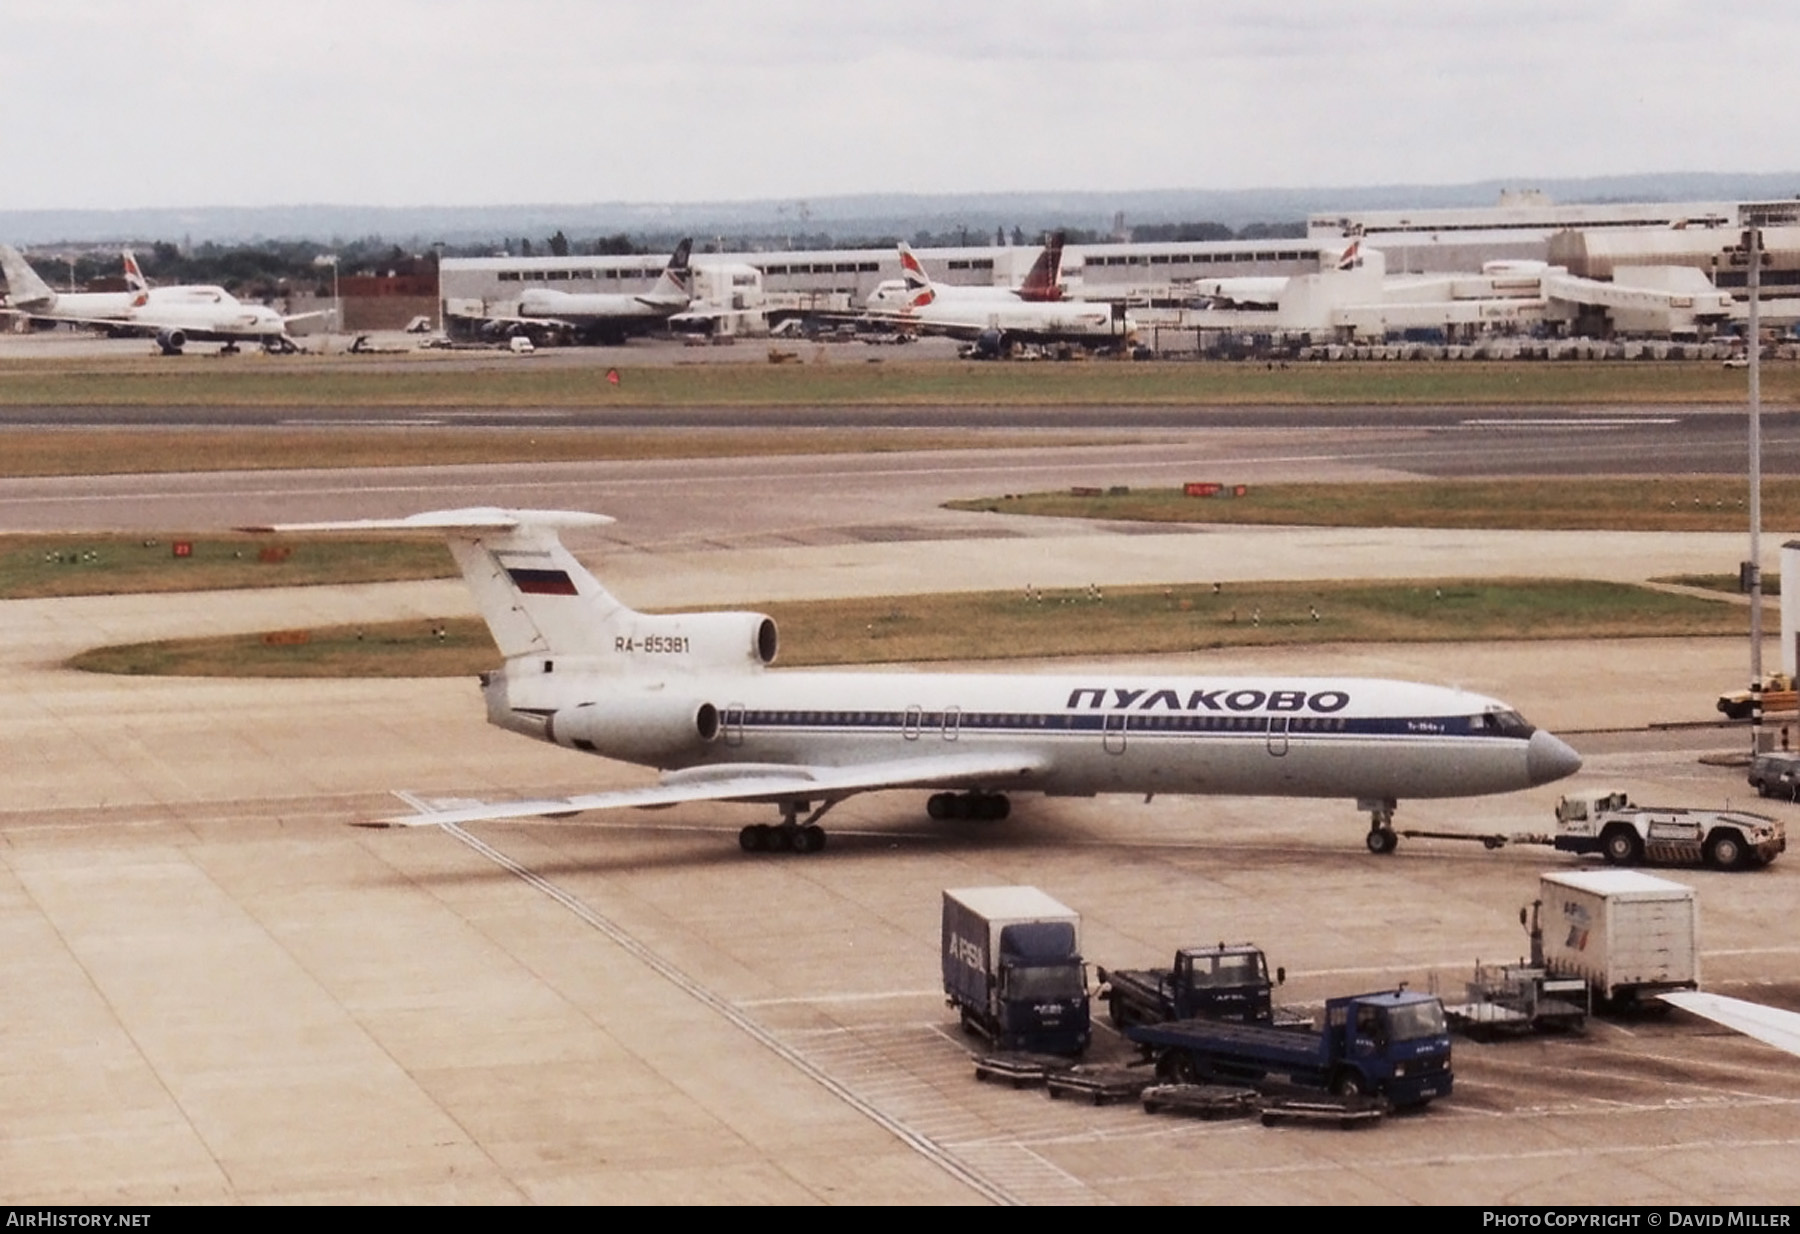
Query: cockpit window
x=1501 y=723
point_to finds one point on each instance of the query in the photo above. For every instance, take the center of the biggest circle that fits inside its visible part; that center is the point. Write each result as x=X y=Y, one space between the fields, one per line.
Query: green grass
x=128 y=451
x=848 y=376
x=1727 y=583
x=33 y=567
x=1000 y=625
x=1687 y=503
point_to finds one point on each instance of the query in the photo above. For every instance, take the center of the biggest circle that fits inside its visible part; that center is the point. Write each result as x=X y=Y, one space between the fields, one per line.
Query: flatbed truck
x=1226 y=982
x=1394 y=1044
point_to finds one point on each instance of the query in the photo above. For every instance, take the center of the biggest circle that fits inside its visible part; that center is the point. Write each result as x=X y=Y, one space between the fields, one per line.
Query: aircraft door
x=1112 y=731
x=1278 y=735
x=952 y=723
x=732 y=724
x=911 y=723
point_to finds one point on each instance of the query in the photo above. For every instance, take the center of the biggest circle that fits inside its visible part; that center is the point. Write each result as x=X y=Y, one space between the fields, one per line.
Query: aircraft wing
x=1769 y=1025
x=753 y=782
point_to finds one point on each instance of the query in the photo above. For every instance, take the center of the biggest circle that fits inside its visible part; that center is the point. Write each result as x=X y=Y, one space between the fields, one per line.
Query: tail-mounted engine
x=695 y=640
x=653 y=729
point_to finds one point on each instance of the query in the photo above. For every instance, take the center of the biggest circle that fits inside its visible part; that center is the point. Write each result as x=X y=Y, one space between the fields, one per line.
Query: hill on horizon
x=868 y=214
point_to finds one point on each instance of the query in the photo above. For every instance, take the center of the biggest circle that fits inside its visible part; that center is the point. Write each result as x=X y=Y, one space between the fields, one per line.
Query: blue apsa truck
x=1394 y=1044
x=1013 y=968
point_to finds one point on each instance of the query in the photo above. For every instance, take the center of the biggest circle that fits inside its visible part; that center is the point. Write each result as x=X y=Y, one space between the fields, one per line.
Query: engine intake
x=700 y=640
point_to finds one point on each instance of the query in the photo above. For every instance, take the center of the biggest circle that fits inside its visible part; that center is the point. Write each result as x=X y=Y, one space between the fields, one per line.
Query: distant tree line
x=272 y=268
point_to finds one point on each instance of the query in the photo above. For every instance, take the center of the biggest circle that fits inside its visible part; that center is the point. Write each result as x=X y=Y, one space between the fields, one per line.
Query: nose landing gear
x=1382 y=838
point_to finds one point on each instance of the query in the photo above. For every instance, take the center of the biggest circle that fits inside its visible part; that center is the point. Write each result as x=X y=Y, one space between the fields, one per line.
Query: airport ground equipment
x=1207 y=1101
x=1225 y=982
x=1394 y=1045
x=1610 y=824
x=1346 y=1112
x=1629 y=935
x=1098 y=1085
x=1778 y=694
x=1017 y=1070
x=1013 y=968
x=1776 y=775
x=1514 y=999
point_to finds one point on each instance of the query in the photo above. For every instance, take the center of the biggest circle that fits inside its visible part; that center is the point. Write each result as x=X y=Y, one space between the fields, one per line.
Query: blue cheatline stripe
x=1137 y=725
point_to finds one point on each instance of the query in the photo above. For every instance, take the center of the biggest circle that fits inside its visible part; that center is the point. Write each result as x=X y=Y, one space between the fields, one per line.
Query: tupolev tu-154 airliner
x=693 y=695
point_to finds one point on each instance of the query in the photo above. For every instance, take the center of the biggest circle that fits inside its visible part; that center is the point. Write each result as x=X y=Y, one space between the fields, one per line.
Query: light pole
x=1753 y=217
x=337 y=306
x=437 y=247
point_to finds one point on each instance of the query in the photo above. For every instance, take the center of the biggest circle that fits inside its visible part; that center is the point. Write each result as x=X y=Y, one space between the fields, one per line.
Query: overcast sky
x=446 y=102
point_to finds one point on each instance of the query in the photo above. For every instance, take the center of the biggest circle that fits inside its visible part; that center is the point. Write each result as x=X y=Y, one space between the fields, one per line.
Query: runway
x=1463 y=440
x=225 y=994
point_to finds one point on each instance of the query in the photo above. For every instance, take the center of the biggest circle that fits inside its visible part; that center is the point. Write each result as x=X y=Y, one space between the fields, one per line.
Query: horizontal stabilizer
x=753 y=782
x=472 y=519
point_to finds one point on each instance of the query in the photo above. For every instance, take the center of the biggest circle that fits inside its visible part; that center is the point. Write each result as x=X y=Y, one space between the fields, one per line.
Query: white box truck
x=1629 y=935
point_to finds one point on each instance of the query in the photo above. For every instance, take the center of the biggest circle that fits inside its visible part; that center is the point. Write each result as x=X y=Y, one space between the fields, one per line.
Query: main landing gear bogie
x=980 y=807
x=782 y=838
x=792 y=835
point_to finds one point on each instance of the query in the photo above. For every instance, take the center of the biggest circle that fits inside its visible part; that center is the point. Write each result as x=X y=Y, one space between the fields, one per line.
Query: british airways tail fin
x=134 y=277
x=918 y=284
x=1043 y=282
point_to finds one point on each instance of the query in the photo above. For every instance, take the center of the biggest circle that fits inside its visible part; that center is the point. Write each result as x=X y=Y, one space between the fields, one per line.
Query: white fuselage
x=1264 y=292
x=198 y=311
x=893 y=294
x=1096 y=733
x=1070 y=320
x=216 y=318
x=595 y=307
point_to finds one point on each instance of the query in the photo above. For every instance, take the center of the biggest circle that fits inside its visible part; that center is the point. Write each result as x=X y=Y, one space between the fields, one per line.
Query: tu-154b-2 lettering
x=693 y=696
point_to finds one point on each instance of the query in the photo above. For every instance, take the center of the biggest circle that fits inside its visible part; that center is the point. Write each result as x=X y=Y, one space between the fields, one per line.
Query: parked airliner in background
x=1043 y=283
x=611 y=316
x=1253 y=291
x=174 y=316
x=692 y=694
x=994 y=324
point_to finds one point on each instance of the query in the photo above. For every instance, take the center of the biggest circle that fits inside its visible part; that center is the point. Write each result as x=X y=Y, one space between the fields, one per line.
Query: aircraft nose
x=1548 y=757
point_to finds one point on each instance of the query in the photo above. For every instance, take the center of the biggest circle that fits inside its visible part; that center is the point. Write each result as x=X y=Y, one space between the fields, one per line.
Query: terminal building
x=1523 y=267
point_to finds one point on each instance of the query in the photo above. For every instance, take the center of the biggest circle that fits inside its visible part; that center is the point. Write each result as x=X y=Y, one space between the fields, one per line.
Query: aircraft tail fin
x=1351 y=258
x=918 y=284
x=134 y=277
x=1043 y=282
x=543 y=607
x=23 y=285
x=677 y=277
x=535 y=597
